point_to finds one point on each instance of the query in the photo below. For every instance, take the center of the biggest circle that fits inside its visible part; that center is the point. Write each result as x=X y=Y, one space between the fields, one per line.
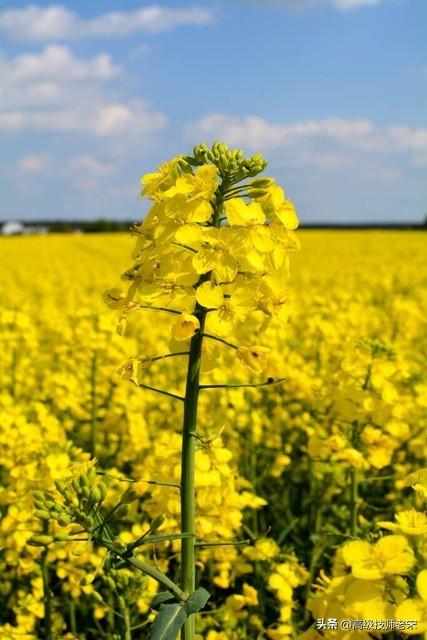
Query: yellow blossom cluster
x=320 y=481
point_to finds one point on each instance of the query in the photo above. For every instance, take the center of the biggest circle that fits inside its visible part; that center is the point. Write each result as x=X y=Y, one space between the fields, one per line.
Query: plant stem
x=127 y=633
x=73 y=622
x=188 y=451
x=188 y=499
x=93 y=422
x=46 y=593
x=353 y=502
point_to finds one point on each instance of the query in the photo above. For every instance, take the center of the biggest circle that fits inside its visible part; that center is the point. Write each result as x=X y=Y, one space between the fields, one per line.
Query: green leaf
x=168 y=622
x=196 y=601
x=172 y=617
x=160 y=598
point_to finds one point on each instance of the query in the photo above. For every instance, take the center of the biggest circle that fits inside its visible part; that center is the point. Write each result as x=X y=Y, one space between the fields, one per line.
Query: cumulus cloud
x=315 y=141
x=55 y=91
x=41 y=24
x=345 y=5
x=33 y=163
x=342 y=5
x=88 y=164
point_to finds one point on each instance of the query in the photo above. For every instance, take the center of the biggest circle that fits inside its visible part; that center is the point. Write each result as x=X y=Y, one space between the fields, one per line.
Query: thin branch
x=162 y=484
x=268 y=383
x=219 y=543
x=168 y=355
x=161 y=391
x=160 y=309
x=211 y=337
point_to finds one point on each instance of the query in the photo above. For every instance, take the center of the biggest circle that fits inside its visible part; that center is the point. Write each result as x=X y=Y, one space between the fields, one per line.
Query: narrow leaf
x=168 y=622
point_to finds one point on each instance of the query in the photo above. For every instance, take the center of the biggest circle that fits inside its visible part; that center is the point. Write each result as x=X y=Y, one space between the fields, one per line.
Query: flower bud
x=42 y=514
x=156 y=523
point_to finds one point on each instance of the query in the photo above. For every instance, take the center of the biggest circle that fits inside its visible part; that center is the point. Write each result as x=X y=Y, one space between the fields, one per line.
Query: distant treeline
x=109 y=226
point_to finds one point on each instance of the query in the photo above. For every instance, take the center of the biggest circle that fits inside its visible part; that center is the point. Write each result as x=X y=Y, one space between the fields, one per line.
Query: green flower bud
x=119 y=546
x=64 y=520
x=129 y=496
x=39 y=504
x=61 y=486
x=104 y=489
x=42 y=514
x=91 y=475
x=84 y=481
x=96 y=494
x=257 y=193
x=87 y=579
x=156 y=523
x=261 y=183
x=121 y=512
x=75 y=485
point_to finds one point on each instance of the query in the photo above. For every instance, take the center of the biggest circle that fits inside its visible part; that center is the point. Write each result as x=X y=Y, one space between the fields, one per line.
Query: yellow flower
x=411 y=522
x=415 y=609
x=185 y=327
x=254 y=358
x=390 y=555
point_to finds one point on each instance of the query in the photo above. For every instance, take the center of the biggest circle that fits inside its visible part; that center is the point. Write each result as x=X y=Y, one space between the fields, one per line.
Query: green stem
x=73 y=622
x=188 y=451
x=46 y=594
x=124 y=610
x=188 y=498
x=94 y=420
x=353 y=502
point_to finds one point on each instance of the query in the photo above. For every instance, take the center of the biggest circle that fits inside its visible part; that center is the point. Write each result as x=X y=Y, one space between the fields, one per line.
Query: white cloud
x=342 y=5
x=40 y=24
x=257 y=132
x=345 y=5
x=33 y=163
x=56 y=62
x=88 y=164
x=315 y=142
x=55 y=91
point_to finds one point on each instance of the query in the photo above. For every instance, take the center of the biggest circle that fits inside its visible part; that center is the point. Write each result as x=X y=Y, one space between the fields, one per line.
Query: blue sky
x=333 y=92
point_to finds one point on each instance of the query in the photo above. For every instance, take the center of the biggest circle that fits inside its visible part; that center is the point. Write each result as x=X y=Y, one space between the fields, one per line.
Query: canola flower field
x=318 y=484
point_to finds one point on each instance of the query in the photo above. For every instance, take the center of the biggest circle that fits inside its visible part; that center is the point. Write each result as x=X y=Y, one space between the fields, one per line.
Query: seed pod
x=110 y=582
x=40 y=540
x=97 y=597
x=61 y=536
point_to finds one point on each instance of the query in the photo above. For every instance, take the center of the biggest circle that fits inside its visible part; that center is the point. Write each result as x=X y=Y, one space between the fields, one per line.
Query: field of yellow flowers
x=315 y=487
